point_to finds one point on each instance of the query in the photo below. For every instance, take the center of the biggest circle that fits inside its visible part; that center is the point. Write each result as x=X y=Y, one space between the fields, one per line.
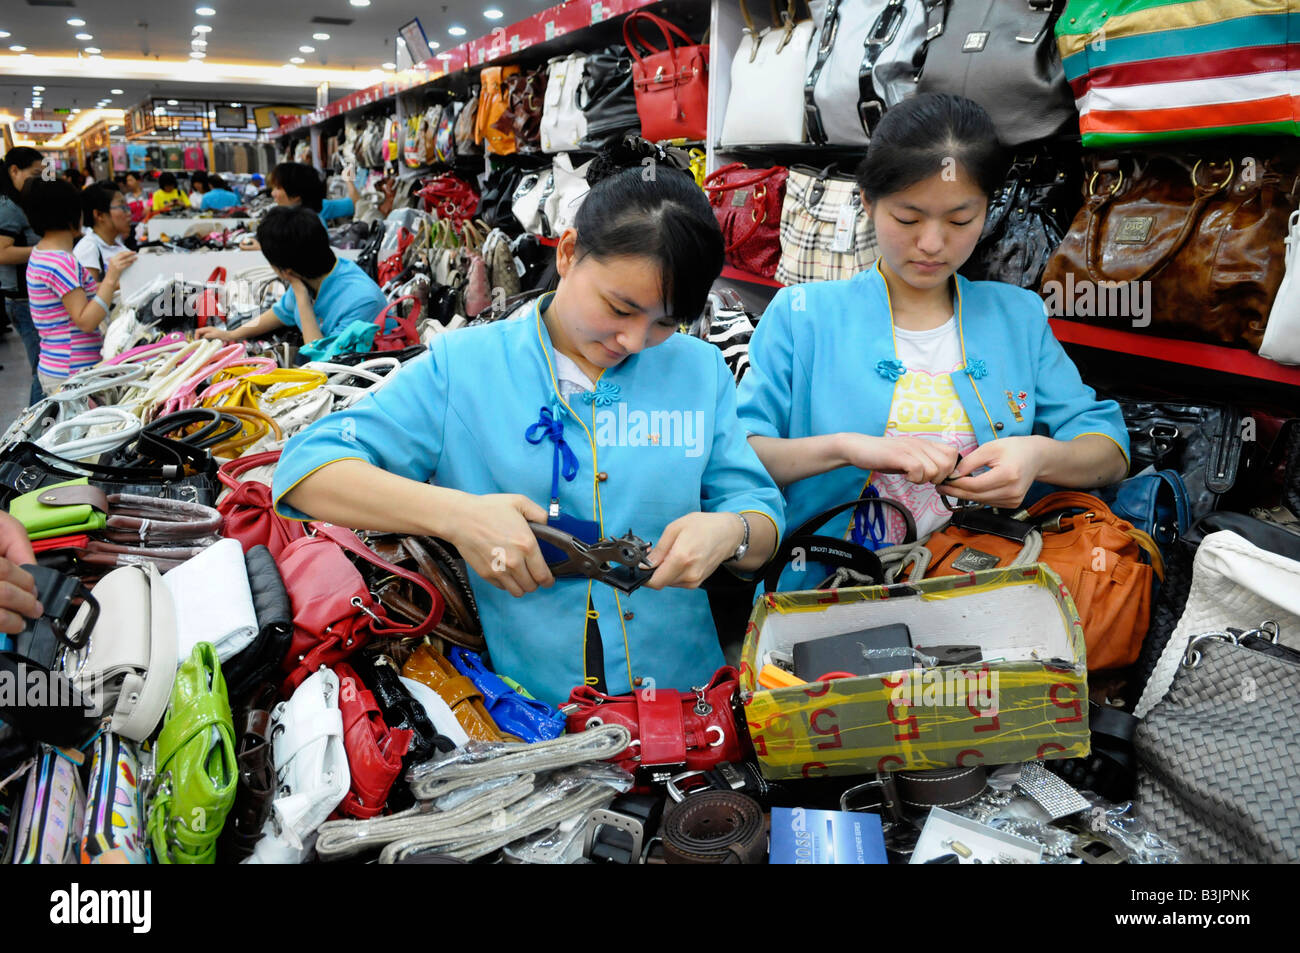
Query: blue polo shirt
x=347 y=294
x=332 y=209
x=217 y=199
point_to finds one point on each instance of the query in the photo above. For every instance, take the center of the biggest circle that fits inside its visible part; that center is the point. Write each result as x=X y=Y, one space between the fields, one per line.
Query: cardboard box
x=1027 y=700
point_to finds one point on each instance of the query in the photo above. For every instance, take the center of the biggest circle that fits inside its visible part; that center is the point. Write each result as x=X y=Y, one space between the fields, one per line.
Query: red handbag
x=747 y=203
x=406 y=334
x=334 y=611
x=672 y=731
x=671 y=86
x=374 y=750
x=449 y=197
x=209 y=310
x=247 y=513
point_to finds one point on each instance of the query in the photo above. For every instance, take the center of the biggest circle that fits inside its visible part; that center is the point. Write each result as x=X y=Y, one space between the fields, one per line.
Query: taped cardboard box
x=1027 y=699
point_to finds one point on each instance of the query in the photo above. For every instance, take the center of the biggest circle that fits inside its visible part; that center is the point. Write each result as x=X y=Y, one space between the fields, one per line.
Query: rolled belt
x=715 y=827
x=947 y=787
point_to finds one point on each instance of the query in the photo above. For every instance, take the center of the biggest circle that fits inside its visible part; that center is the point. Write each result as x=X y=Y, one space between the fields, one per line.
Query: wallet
x=874 y=651
x=61 y=510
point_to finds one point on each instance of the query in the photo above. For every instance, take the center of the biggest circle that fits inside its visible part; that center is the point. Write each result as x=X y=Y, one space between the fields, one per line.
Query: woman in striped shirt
x=67 y=305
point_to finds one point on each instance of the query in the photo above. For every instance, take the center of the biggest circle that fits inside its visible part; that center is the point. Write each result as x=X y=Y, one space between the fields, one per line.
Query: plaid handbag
x=825 y=233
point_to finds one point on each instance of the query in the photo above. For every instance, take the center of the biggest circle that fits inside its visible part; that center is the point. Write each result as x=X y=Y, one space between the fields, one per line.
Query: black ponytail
x=916 y=137
x=660 y=213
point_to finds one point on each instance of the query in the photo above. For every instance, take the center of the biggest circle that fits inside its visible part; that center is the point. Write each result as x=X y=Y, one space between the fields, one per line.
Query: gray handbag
x=1003 y=55
x=1217 y=776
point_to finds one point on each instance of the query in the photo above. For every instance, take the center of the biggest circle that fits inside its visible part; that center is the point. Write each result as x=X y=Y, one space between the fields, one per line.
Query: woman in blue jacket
x=907 y=378
x=589 y=408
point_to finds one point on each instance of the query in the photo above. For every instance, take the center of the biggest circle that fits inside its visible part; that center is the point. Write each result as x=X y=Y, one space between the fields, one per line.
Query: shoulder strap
x=348 y=540
x=829 y=549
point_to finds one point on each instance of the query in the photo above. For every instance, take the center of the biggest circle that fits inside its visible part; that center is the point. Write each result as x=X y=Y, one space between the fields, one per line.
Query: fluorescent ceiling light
x=205 y=11
x=320 y=36
x=18 y=49
x=172 y=102
x=38 y=89
x=203 y=28
x=434 y=44
x=295 y=60
x=306 y=49
x=116 y=92
x=493 y=13
x=83 y=37
x=4 y=34
x=388 y=65
x=93 y=49
x=360 y=3
x=197 y=54
x=235 y=105
x=457 y=30
x=76 y=21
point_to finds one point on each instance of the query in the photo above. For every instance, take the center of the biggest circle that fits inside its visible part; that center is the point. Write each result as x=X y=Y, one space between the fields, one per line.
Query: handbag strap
x=406 y=325
x=348 y=540
x=812 y=112
x=632 y=32
x=713 y=182
x=1066 y=500
x=143 y=699
x=52 y=462
x=839 y=551
x=229 y=473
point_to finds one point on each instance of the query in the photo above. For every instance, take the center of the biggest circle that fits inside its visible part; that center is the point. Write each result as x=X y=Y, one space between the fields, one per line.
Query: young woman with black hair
x=67 y=304
x=106 y=214
x=295 y=183
x=17 y=239
x=589 y=412
x=943 y=382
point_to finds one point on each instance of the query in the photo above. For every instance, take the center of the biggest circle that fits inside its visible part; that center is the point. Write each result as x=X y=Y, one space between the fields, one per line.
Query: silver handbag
x=835 y=60
x=1217 y=771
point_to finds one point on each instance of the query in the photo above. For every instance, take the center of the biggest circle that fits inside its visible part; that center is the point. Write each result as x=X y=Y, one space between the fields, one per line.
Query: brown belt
x=947 y=787
x=715 y=827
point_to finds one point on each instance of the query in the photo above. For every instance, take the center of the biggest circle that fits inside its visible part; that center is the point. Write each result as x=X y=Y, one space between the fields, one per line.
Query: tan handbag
x=1190 y=247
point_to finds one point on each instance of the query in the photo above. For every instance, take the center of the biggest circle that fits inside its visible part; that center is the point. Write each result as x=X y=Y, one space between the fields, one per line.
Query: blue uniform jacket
x=822 y=360
x=347 y=294
x=657 y=439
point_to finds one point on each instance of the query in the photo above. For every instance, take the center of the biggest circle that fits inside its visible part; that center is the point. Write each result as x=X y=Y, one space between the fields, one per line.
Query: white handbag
x=835 y=59
x=568 y=189
x=527 y=202
x=311 y=769
x=766 y=102
x=1282 y=333
x=564 y=125
x=129 y=661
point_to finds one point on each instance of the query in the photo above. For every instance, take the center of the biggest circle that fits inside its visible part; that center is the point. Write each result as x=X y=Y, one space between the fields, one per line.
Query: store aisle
x=15 y=379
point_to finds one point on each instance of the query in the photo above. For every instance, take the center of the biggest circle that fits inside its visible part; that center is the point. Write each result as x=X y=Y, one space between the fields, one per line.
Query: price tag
x=550 y=29
x=597 y=12
x=844 y=228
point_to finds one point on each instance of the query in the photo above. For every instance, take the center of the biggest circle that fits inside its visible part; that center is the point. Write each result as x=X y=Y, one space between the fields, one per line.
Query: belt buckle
x=629 y=825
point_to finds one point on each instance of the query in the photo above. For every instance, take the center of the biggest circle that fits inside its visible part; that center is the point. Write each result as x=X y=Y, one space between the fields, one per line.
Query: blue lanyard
x=549 y=426
x=869 y=522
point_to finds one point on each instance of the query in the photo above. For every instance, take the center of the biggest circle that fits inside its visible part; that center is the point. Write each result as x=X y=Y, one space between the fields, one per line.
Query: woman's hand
x=491 y=532
x=921 y=461
x=692 y=547
x=119 y=263
x=1014 y=463
x=214 y=334
x=17 y=587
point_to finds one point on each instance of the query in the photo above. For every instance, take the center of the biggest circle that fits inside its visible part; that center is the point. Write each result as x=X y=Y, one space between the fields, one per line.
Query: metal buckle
x=603 y=818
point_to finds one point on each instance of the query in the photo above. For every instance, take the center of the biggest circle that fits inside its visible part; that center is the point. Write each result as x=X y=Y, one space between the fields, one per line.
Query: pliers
x=616 y=561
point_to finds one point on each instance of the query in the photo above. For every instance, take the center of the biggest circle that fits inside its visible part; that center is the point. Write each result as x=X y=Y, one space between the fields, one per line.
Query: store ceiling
x=242 y=31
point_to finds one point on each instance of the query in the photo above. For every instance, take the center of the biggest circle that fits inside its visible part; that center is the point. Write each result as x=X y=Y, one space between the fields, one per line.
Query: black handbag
x=607 y=97
x=261 y=659
x=1003 y=55
x=28 y=467
x=495 y=201
x=1027 y=218
x=368 y=259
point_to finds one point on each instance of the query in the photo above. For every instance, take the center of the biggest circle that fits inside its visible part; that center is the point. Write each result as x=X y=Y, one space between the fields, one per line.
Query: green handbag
x=195 y=764
x=62 y=509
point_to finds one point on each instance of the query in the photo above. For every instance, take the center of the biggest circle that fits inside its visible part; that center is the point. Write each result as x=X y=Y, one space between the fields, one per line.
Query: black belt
x=715 y=827
x=948 y=787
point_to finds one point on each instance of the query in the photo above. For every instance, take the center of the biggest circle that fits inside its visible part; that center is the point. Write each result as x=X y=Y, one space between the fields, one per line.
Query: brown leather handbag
x=1194 y=244
x=525 y=94
x=1097 y=555
x=493 y=101
x=429 y=668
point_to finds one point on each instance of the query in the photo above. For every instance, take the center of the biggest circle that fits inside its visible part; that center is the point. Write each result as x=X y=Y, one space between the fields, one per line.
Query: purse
x=256 y=786
x=261 y=658
x=525 y=95
x=528 y=203
x=1146 y=77
x=1281 y=340
x=514 y=713
x=826 y=234
x=1178 y=239
x=114 y=828
x=493 y=101
x=1155 y=502
x=374 y=750
x=766 y=101
x=431 y=669
x=334 y=611
x=62 y=509
x=563 y=124
x=248 y=512
x=382 y=678
x=837 y=58
x=196 y=770
x=672 y=731
x=27 y=467
x=607 y=99
x=671 y=85
x=1003 y=55
x=50 y=819
x=404 y=335
x=568 y=187
x=311 y=769
x=747 y=204
x=463 y=134
x=427 y=556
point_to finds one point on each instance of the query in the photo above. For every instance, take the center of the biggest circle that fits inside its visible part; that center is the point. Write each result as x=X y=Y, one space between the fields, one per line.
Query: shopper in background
x=455 y=446
x=73 y=176
x=17 y=239
x=953 y=387
x=18 y=601
x=218 y=197
x=168 y=197
x=67 y=304
x=326 y=293
x=295 y=183
x=198 y=186
x=138 y=202
x=107 y=220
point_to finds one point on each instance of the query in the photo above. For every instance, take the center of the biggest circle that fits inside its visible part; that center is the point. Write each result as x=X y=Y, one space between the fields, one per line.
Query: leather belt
x=948 y=787
x=715 y=827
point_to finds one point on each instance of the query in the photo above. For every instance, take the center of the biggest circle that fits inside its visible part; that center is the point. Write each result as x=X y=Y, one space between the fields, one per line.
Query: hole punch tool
x=616 y=561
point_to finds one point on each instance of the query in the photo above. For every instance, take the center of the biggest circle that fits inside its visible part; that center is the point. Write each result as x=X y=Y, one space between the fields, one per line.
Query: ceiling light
x=493 y=14
x=84 y=36
x=289 y=66
x=306 y=49
x=203 y=28
x=235 y=105
x=457 y=30
x=199 y=44
x=172 y=102
x=388 y=66
x=4 y=34
x=18 y=49
x=197 y=54
x=360 y=3
x=295 y=60
x=205 y=11
x=38 y=89
x=93 y=49
x=76 y=21
x=116 y=92
x=320 y=36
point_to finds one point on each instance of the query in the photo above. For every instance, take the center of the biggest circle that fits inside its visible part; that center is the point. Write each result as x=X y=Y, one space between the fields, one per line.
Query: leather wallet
x=885 y=648
x=61 y=510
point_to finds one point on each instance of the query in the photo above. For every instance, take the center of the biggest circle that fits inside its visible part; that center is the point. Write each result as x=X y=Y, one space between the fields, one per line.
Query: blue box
x=802 y=836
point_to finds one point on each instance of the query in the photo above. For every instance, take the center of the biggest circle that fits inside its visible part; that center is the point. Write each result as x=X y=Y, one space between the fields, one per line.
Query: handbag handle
x=631 y=30
x=837 y=552
x=1192 y=219
x=760 y=175
x=348 y=540
x=405 y=325
x=229 y=473
x=262 y=424
x=74 y=470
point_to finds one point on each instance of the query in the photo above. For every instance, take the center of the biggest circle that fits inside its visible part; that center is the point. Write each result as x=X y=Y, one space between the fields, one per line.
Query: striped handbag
x=1159 y=70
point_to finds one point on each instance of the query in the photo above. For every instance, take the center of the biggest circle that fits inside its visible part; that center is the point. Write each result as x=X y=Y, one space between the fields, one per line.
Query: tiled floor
x=15 y=379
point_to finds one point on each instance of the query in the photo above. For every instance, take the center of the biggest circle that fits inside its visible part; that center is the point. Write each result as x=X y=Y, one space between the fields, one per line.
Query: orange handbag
x=493 y=101
x=1098 y=556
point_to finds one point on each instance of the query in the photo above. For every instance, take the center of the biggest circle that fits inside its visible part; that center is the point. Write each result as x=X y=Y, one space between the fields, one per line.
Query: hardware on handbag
x=766 y=101
x=672 y=85
x=672 y=731
x=1003 y=55
x=1173 y=242
x=747 y=203
x=61 y=509
x=826 y=234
